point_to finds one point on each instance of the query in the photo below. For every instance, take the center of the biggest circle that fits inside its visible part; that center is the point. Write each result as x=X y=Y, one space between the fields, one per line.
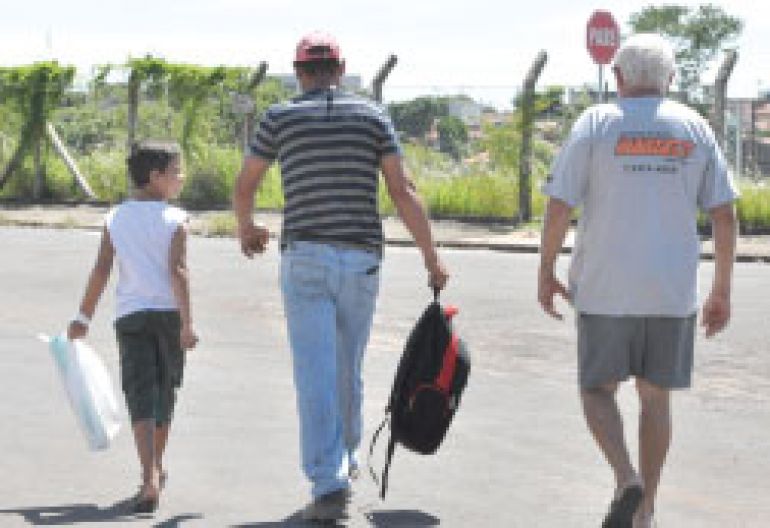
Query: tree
x=35 y=92
x=416 y=117
x=697 y=34
x=452 y=135
x=546 y=102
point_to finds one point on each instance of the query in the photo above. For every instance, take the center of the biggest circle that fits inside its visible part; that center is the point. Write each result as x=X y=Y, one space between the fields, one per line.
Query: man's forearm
x=243 y=200
x=556 y=223
x=409 y=206
x=413 y=214
x=724 y=227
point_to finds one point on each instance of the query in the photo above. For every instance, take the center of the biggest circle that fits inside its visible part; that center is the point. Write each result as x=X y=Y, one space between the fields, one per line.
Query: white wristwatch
x=82 y=319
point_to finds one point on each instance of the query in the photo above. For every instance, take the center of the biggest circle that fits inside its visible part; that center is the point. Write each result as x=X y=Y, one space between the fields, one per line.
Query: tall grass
x=476 y=194
x=446 y=188
x=477 y=190
x=754 y=205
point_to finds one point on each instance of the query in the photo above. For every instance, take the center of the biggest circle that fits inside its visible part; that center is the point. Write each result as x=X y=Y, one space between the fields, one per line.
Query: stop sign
x=602 y=37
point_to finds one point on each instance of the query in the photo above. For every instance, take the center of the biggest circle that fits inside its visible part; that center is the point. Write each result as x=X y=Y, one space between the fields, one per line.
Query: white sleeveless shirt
x=141 y=233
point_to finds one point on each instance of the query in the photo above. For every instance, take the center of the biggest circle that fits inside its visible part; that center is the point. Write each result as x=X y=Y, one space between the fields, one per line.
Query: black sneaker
x=330 y=507
x=622 y=509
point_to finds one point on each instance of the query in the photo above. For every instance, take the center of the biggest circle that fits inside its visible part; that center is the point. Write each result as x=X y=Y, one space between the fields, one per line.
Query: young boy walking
x=153 y=322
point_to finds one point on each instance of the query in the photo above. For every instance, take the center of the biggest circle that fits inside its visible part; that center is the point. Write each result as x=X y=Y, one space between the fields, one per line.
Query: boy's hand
x=187 y=338
x=76 y=330
x=253 y=238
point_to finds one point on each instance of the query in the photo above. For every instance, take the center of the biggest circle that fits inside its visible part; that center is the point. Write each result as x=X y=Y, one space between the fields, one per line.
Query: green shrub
x=472 y=191
x=754 y=205
x=270 y=194
x=106 y=173
x=58 y=183
x=210 y=174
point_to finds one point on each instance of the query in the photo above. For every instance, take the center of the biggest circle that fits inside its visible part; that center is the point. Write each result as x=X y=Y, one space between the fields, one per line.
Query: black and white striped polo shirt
x=329 y=144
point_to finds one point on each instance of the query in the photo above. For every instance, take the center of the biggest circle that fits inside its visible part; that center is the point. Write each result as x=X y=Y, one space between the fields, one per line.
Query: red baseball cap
x=317 y=46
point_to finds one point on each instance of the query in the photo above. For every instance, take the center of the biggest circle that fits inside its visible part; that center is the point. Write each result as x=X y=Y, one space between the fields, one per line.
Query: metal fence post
x=525 y=155
x=379 y=79
x=720 y=91
x=133 y=107
x=248 y=121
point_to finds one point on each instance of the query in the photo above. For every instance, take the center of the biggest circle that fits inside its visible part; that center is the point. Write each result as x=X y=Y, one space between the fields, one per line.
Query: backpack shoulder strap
x=382 y=482
x=386 y=469
x=375 y=437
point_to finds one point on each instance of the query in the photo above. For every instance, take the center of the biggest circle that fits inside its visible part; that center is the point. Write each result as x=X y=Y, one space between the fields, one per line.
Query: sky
x=481 y=48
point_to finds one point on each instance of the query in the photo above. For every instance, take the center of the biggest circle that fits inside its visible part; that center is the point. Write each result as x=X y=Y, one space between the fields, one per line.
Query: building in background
x=747 y=136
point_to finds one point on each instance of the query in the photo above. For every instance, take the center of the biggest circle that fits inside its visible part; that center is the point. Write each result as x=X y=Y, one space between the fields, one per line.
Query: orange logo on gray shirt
x=650 y=146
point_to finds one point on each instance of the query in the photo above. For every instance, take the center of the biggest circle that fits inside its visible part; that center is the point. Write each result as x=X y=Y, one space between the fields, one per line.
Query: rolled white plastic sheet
x=89 y=389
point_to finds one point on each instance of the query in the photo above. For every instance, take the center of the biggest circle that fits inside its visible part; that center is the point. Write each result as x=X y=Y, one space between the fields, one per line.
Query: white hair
x=646 y=61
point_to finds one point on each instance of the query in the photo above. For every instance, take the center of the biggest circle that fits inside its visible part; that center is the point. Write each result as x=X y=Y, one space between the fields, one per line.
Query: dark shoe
x=622 y=509
x=330 y=507
x=645 y=520
x=145 y=504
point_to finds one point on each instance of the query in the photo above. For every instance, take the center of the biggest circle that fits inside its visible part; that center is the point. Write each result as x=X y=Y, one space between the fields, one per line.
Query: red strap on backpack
x=444 y=380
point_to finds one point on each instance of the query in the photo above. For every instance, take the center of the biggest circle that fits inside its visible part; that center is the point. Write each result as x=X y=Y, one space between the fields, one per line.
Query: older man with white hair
x=639 y=169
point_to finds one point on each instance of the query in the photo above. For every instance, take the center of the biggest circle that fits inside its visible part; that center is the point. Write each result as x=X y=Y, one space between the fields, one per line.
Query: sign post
x=602 y=41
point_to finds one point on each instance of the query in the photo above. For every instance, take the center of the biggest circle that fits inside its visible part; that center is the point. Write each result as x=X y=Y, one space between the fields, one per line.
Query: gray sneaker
x=330 y=507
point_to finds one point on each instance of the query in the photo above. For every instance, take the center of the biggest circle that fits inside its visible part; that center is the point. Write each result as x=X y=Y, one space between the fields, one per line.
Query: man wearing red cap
x=330 y=146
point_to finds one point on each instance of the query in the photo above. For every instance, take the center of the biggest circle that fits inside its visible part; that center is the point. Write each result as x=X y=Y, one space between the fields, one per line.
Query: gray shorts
x=657 y=349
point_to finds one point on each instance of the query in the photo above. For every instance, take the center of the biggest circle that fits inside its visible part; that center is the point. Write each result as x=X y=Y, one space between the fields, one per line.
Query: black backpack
x=430 y=379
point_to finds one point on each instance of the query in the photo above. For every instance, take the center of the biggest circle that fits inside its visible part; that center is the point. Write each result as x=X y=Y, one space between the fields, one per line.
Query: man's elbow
x=557 y=208
x=724 y=215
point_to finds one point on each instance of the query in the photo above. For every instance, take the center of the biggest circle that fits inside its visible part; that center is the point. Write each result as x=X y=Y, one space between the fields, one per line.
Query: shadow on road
x=401 y=519
x=290 y=521
x=89 y=513
x=379 y=519
x=177 y=520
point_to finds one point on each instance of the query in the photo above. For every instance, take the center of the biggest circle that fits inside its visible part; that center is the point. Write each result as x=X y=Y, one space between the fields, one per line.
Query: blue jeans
x=329 y=295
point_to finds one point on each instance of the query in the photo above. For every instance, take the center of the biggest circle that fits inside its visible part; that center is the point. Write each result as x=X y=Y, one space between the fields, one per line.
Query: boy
x=153 y=320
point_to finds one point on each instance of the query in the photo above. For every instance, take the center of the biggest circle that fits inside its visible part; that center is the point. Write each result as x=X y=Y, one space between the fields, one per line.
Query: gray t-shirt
x=640 y=169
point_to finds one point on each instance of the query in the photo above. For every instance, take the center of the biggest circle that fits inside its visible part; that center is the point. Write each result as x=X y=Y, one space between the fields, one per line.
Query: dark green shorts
x=151 y=363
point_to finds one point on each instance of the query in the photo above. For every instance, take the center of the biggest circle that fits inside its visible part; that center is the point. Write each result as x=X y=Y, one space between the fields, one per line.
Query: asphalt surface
x=518 y=454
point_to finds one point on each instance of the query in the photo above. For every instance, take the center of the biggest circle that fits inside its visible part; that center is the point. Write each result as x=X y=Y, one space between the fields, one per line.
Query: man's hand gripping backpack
x=430 y=379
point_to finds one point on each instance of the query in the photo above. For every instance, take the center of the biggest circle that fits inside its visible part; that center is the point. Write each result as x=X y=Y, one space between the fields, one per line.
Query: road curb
x=504 y=247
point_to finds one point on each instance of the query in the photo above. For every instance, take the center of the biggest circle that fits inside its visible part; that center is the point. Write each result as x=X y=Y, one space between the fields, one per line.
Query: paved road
x=518 y=454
